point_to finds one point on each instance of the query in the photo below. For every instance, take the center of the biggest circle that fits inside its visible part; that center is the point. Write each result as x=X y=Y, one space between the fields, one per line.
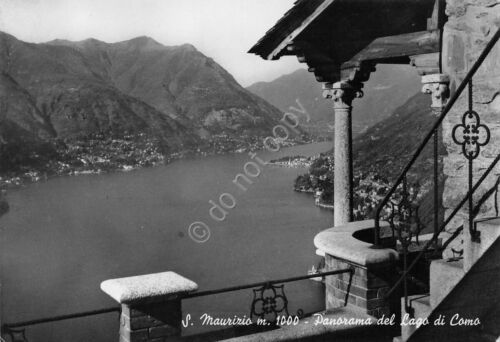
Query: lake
x=63 y=237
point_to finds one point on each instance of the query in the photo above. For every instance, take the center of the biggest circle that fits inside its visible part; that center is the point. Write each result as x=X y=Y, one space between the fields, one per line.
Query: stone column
x=151 y=305
x=342 y=93
x=437 y=85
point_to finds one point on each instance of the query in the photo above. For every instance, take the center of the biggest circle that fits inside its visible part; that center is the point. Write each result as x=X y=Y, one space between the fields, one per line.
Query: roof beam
x=392 y=49
x=385 y=49
x=275 y=54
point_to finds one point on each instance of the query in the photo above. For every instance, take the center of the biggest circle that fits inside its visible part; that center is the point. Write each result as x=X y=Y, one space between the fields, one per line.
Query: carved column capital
x=437 y=85
x=342 y=93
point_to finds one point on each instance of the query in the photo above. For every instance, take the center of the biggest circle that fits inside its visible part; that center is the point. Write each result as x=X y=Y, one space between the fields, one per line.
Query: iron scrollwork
x=403 y=217
x=17 y=335
x=269 y=301
x=471 y=134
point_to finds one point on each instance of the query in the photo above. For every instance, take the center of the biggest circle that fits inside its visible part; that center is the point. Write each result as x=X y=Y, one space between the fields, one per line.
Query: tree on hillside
x=4 y=206
x=303 y=182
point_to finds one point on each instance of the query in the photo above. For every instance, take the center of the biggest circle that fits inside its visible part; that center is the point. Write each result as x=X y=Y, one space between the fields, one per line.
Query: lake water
x=62 y=238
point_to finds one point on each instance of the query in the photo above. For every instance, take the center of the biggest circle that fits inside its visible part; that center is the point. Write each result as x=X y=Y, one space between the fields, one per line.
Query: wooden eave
x=334 y=35
x=298 y=18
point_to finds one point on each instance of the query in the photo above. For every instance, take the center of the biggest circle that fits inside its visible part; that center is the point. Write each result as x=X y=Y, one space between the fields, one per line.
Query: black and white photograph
x=249 y=170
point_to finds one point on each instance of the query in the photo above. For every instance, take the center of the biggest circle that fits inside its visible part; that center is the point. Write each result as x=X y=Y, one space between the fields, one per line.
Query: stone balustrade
x=373 y=268
x=151 y=305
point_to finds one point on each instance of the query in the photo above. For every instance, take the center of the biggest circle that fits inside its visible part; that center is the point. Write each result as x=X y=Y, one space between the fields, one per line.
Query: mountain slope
x=388 y=88
x=19 y=108
x=82 y=96
x=180 y=82
x=389 y=145
x=140 y=77
x=380 y=154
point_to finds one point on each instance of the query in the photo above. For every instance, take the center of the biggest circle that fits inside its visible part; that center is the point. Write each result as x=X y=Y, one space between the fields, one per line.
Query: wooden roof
x=335 y=37
x=288 y=27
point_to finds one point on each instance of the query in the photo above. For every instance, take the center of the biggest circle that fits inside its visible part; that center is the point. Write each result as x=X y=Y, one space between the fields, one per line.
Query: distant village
x=369 y=186
x=100 y=153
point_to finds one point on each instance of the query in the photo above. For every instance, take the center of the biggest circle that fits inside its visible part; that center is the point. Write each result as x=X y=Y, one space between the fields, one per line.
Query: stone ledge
x=149 y=288
x=308 y=330
x=435 y=78
x=339 y=242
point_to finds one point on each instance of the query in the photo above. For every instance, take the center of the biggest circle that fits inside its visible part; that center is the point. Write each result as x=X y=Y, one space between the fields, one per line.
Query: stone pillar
x=151 y=305
x=342 y=93
x=437 y=85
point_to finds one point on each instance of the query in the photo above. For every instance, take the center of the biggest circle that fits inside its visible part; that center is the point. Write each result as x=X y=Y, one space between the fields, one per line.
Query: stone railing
x=151 y=305
x=373 y=268
x=357 y=277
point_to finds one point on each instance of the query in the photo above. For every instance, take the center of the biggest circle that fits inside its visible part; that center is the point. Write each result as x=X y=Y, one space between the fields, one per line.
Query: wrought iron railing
x=17 y=331
x=269 y=302
x=269 y=298
x=472 y=135
x=433 y=240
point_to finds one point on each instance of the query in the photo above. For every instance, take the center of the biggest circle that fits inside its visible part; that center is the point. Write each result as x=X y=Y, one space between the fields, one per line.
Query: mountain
x=122 y=86
x=388 y=88
x=380 y=154
x=389 y=145
x=83 y=95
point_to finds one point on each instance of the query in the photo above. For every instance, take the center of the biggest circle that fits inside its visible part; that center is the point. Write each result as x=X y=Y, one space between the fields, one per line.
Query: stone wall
x=365 y=288
x=471 y=24
x=151 y=305
x=157 y=322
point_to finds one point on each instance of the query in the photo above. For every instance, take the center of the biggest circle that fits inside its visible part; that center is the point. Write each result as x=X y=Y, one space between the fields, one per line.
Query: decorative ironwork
x=17 y=335
x=300 y=313
x=457 y=253
x=269 y=301
x=474 y=135
x=405 y=223
x=471 y=134
x=403 y=217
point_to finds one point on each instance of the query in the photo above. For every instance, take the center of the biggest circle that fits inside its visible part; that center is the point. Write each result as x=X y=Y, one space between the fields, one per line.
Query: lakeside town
x=101 y=153
x=369 y=186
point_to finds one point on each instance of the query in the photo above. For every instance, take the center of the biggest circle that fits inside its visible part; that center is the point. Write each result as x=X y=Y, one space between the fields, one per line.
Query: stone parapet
x=341 y=243
x=151 y=305
x=373 y=267
x=366 y=289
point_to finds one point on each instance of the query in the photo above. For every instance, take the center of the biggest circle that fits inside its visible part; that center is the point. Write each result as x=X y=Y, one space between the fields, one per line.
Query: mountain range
x=387 y=89
x=139 y=91
x=122 y=86
x=91 y=106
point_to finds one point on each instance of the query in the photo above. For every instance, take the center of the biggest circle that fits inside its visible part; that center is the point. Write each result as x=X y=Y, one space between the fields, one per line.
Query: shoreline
x=325 y=206
x=32 y=177
x=60 y=169
x=320 y=204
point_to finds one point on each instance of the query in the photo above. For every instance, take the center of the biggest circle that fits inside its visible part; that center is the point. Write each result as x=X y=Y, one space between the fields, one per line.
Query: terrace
x=385 y=266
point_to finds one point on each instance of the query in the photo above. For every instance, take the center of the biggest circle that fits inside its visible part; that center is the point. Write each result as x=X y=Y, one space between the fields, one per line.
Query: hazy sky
x=222 y=29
